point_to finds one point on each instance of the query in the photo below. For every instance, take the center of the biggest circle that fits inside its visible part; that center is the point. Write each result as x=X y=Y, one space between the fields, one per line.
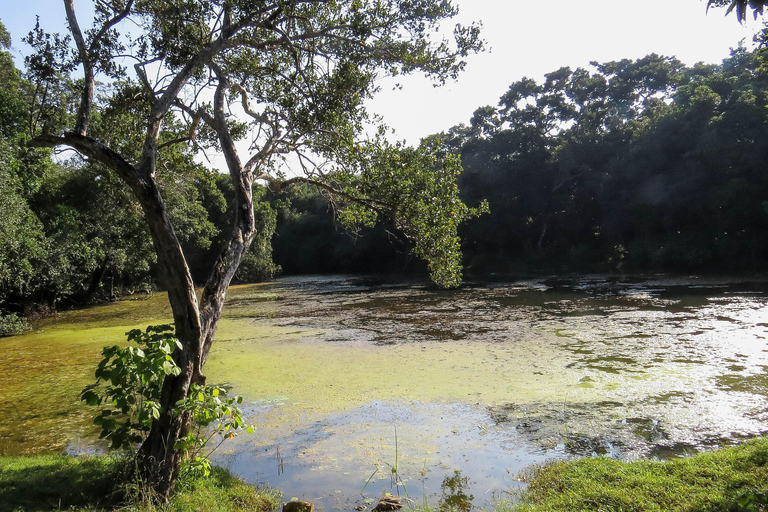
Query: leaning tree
x=270 y=85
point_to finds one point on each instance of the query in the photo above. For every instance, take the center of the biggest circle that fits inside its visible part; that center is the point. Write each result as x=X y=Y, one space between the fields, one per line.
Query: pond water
x=359 y=386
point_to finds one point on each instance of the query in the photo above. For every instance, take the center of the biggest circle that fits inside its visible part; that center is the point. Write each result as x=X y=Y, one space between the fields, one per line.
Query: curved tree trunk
x=158 y=462
x=196 y=324
x=310 y=57
x=195 y=321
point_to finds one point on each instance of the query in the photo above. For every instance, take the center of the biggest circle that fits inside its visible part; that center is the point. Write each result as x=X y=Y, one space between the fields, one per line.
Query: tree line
x=643 y=165
x=632 y=165
x=71 y=234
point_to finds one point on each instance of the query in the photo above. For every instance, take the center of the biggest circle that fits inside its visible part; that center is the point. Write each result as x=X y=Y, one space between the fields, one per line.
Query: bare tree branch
x=191 y=135
x=111 y=23
x=86 y=99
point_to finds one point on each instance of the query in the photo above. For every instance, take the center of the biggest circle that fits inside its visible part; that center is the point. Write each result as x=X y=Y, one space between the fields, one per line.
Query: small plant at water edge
x=133 y=378
x=128 y=385
x=213 y=415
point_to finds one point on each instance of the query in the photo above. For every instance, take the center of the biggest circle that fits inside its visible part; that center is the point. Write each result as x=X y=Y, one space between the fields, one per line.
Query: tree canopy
x=644 y=165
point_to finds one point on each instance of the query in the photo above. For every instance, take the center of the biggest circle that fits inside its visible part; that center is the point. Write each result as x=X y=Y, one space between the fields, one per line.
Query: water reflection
x=453 y=497
x=410 y=449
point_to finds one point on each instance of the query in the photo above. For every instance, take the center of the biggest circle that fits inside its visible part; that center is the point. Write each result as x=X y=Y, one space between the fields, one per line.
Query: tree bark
x=158 y=461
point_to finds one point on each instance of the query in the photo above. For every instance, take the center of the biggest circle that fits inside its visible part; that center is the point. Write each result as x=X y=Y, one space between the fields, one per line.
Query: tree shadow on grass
x=59 y=482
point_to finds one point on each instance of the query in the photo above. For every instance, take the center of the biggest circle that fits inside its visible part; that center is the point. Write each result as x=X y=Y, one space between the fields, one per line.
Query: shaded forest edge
x=642 y=165
x=730 y=478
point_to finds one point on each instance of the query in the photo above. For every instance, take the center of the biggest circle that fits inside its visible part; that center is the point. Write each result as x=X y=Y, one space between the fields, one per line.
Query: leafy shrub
x=128 y=385
x=12 y=324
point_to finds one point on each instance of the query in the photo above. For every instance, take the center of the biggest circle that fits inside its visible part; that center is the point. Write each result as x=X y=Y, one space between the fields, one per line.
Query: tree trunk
x=195 y=321
x=157 y=460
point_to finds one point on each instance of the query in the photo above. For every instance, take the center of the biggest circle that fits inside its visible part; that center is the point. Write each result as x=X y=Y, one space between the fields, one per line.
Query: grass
x=727 y=480
x=94 y=484
x=732 y=479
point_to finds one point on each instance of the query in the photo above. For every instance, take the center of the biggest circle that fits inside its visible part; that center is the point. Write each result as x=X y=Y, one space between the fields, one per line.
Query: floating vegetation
x=484 y=379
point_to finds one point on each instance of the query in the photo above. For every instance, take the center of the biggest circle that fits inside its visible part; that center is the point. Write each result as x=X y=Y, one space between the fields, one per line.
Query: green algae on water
x=43 y=372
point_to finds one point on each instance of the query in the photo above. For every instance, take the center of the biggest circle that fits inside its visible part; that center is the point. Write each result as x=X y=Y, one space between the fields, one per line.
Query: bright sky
x=525 y=37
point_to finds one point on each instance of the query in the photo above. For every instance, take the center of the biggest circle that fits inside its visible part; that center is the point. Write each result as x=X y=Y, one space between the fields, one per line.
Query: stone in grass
x=298 y=506
x=388 y=503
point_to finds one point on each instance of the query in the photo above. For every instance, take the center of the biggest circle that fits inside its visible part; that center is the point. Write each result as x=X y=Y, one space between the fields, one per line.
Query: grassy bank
x=93 y=484
x=730 y=479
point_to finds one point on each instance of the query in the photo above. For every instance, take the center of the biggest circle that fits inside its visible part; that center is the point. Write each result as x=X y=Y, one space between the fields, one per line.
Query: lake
x=359 y=386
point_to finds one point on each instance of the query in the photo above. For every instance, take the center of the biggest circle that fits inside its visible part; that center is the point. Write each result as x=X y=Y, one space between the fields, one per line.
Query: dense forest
x=635 y=165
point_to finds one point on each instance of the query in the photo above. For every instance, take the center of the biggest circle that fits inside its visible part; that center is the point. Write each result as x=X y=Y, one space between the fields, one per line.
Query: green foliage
x=309 y=86
x=5 y=37
x=632 y=165
x=740 y=6
x=133 y=378
x=13 y=107
x=23 y=244
x=415 y=191
x=213 y=416
x=310 y=240
x=64 y=229
x=11 y=324
x=99 y=246
x=70 y=232
x=52 y=92
x=752 y=501
x=128 y=385
x=22 y=241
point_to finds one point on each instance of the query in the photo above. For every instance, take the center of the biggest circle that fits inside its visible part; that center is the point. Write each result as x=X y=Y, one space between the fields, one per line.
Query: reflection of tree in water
x=454 y=498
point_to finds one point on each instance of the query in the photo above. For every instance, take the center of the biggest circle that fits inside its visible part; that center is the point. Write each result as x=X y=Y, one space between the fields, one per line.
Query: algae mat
x=347 y=378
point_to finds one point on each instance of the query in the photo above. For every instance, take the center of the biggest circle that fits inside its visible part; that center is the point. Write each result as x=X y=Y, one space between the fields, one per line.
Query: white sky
x=525 y=37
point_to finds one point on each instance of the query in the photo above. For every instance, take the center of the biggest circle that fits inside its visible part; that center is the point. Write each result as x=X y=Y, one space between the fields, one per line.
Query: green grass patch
x=729 y=479
x=93 y=484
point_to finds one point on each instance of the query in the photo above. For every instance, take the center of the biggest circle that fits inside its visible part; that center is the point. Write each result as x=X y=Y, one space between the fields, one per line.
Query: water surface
x=348 y=378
